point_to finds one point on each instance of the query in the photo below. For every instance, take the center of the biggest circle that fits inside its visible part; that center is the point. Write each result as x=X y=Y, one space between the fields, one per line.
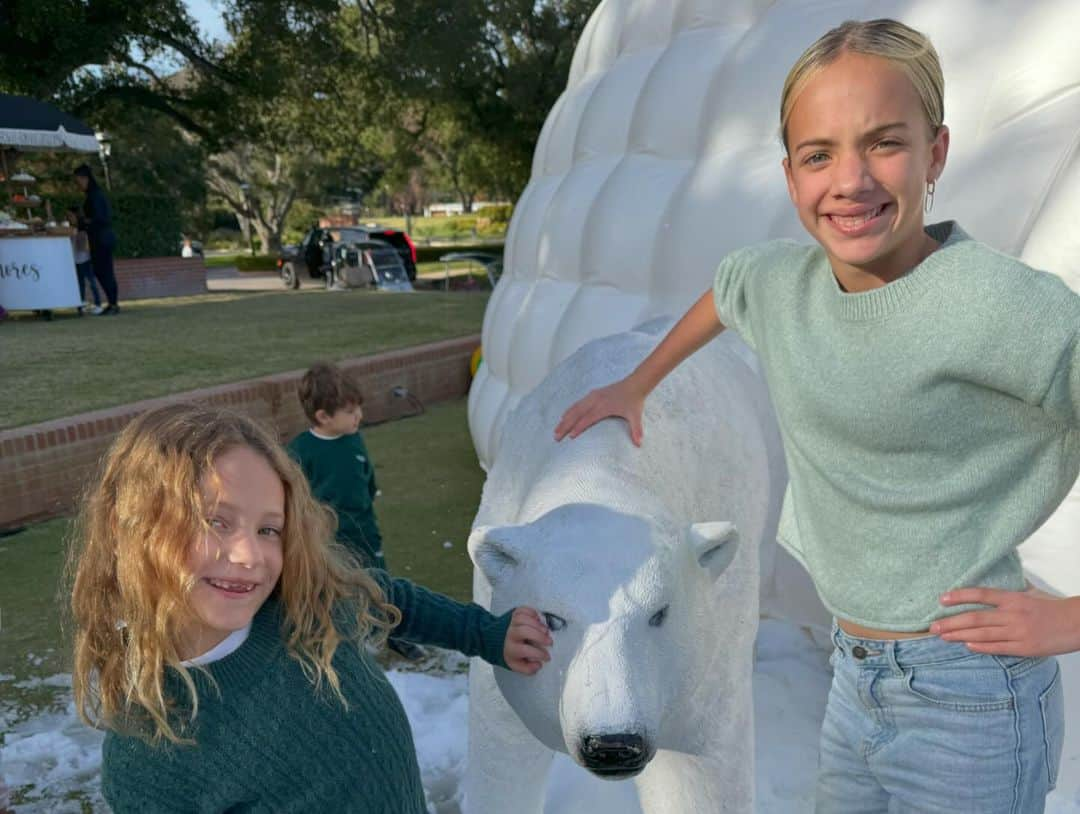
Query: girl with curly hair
x=223 y=640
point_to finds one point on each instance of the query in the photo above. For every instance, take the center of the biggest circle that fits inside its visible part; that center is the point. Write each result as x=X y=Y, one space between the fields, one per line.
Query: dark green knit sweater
x=341 y=475
x=269 y=742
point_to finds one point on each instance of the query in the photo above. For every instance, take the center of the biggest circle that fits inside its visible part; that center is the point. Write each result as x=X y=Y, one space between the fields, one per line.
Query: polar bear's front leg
x=508 y=767
x=677 y=783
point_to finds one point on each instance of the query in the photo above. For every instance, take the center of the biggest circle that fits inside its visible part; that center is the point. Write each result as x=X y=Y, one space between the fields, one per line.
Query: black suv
x=315 y=253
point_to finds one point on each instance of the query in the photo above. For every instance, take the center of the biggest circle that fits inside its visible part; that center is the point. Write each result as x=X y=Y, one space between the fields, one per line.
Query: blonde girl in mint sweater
x=928 y=393
x=222 y=638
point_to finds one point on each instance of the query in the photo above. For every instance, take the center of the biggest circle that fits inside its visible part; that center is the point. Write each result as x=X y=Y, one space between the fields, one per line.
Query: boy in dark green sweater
x=336 y=461
x=337 y=465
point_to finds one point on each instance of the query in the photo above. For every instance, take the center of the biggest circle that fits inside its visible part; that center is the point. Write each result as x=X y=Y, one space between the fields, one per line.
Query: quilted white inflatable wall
x=662 y=155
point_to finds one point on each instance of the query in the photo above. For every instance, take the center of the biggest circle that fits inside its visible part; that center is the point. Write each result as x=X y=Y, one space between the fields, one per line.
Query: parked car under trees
x=315 y=255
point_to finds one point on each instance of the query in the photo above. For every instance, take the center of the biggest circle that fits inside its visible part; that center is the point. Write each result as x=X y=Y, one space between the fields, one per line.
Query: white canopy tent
x=30 y=125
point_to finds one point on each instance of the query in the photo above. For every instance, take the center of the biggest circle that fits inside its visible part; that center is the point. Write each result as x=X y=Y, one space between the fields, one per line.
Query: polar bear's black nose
x=614 y=756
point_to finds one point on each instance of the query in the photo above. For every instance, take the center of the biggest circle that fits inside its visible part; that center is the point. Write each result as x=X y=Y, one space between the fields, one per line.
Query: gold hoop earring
x=928 y=201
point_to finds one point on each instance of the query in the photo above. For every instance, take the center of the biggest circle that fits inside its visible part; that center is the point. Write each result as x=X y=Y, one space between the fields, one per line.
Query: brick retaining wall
x=146 y=277
x=44 y=466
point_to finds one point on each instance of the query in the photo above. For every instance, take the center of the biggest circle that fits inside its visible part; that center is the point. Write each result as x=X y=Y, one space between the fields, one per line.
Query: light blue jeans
x=925 y=726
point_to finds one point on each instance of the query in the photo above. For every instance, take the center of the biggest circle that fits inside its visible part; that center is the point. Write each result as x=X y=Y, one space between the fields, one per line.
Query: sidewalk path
x=227 y=278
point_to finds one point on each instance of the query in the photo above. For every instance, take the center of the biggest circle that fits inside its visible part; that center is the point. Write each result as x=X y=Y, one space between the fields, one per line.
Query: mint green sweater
x=930 y=425
x=267 y=742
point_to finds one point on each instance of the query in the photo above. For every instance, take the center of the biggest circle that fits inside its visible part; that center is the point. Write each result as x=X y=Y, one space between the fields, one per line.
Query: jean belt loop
x=890 y=652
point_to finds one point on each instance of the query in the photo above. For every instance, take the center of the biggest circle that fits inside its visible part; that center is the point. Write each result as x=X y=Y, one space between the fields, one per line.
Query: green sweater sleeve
x=1062 y=399
x=741 y=278
x=730 y=295
x=432 y=618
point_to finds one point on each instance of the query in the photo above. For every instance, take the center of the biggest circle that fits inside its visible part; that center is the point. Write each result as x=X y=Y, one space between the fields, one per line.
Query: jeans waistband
x=898 y=653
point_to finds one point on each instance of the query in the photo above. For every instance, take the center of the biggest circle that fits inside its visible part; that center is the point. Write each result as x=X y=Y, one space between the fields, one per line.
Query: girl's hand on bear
x=527 y=642
x=620 y=399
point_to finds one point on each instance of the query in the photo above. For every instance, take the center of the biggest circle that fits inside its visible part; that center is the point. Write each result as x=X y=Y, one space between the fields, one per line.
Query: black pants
x=102 y=260
x=85 y=272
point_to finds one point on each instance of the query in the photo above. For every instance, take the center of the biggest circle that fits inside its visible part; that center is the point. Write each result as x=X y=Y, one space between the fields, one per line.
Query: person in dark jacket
x=97 y=222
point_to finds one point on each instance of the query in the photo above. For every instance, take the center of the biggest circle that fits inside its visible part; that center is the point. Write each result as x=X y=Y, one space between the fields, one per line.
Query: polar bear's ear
x=714 y=545
x=492 y=550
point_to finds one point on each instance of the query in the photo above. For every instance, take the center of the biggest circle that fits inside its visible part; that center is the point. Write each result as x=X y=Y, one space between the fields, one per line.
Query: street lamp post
x=104 y=151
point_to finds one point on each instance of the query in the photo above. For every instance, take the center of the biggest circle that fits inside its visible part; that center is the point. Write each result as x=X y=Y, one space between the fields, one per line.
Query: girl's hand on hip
x=527 y=642
x=1018 y=623
x=619 y=400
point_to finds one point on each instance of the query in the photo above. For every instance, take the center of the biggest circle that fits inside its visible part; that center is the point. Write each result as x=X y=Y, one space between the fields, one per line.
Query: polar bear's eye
x=554 y=622
x=658 y=618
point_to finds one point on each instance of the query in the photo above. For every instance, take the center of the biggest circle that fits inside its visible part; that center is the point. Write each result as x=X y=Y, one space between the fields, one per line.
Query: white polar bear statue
x=647 y=571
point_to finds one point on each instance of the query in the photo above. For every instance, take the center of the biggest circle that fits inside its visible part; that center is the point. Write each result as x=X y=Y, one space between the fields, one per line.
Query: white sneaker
x=97 y=310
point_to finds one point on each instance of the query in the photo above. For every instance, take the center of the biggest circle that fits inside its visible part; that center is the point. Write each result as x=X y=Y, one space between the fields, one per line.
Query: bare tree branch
x=127 y=59
x=197 y=60
x=146 y=98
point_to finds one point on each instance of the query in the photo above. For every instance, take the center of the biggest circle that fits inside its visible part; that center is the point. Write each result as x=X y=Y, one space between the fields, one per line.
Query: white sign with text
x=38 y=273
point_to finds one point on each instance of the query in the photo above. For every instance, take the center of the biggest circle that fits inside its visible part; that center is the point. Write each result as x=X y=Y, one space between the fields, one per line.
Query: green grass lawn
x=430 y=480
x=434 y=272
x=30 y=640
x=158 y=347
x=443 y=227
x=430 y=483
x=222 y=260
x=243 y=261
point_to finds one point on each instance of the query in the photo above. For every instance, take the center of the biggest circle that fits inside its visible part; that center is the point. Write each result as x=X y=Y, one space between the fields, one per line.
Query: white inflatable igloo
x=662 y=155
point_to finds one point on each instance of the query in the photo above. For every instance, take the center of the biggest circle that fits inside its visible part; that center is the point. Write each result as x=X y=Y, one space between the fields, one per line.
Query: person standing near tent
x=84 y=269
x=97 y=221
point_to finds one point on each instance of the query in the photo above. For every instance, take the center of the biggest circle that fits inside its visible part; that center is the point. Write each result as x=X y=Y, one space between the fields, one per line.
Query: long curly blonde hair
x=130 y=583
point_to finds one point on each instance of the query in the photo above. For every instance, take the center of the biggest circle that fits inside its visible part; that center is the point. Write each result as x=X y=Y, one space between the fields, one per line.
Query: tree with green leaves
x=319 y=99
x=310 y=139
x=86 y=53
x=494 y=68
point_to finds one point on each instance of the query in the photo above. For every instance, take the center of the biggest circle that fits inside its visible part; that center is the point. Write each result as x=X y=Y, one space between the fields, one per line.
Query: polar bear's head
x=626 y=599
